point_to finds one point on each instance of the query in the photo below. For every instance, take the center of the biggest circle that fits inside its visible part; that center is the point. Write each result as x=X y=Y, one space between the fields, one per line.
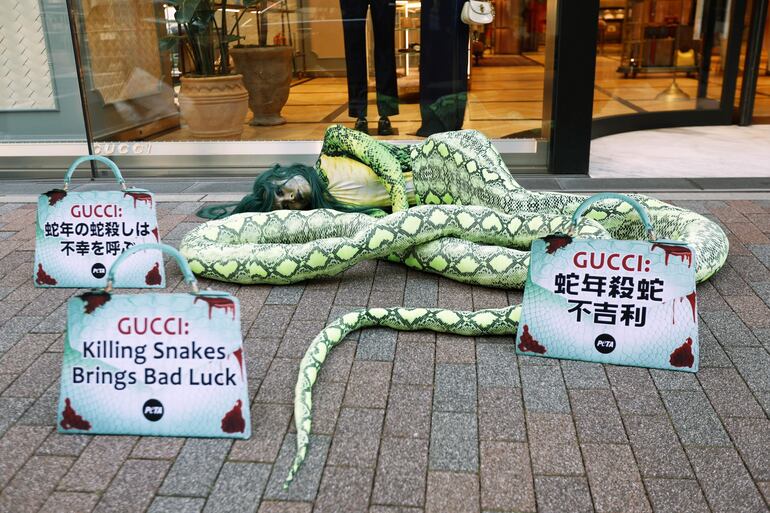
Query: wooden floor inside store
x=615 y=94
x=503 y=101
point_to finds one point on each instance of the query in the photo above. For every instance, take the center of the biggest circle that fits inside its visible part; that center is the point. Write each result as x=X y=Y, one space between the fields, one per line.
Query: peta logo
x=98 y=270
x=153 y=410
x=605 y=343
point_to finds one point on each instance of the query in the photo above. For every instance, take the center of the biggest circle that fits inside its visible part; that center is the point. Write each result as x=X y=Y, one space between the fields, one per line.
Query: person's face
x=294 y=194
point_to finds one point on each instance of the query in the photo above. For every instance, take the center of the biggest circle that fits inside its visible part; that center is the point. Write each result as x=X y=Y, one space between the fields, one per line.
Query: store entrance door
x=753 y=95
x=761 y=112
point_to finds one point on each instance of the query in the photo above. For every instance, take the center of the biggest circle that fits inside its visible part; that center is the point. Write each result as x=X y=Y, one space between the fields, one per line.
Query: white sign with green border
x=611 y=301
x=153 y=363
x=78 y=235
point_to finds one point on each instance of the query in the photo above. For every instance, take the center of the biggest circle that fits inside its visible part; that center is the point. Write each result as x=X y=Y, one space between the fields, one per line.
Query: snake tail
x=493 y=321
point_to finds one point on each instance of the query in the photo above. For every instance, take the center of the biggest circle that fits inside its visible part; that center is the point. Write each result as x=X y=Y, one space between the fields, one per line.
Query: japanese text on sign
x=108 y=229
x=613 y=299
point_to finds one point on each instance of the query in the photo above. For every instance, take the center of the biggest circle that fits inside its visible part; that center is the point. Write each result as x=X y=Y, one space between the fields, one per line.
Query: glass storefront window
x=285 y=70
x=411 y=68
x=659 y=55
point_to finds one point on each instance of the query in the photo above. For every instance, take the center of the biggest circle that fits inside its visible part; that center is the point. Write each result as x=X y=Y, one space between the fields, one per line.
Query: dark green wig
x=263 y=194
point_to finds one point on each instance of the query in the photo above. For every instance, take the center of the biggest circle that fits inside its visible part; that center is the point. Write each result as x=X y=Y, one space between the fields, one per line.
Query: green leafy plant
x=205 y=40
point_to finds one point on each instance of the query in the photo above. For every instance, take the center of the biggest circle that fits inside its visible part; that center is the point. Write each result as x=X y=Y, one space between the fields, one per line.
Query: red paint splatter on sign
x=691 y=298
x=528 y=343
x=682 y=355
x=238 y=353
x=554 y=242
x=71 y=420
x=233 y=421
x=222 y=303
x=94 y=300
x=44 y=278
x=55 y=196
x=683 y=252
x=153 y=277
x=143 y=197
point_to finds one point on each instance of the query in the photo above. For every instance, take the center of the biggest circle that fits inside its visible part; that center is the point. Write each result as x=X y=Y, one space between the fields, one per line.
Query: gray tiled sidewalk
x=411 y=422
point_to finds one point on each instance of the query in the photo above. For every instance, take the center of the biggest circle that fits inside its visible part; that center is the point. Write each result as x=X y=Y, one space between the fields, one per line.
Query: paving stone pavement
x=411 y=422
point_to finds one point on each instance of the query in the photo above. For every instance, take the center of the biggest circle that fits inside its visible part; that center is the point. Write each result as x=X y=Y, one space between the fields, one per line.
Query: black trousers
x=443 y=66
x=354 y=32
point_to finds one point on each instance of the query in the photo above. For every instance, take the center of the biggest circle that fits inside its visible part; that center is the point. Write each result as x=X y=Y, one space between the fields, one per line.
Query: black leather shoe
x=362 y=125
x=384 y=127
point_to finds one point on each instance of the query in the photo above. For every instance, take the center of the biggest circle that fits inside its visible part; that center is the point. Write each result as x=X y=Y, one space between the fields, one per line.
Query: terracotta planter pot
x=214 y=107
x=266 y=73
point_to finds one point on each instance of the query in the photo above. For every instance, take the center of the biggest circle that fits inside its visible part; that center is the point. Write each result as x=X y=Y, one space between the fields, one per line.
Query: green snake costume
x=474 y=224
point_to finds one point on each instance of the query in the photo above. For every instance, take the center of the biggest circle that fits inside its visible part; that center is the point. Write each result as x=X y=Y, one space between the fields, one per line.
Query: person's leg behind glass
x=354 y=33
x=384 y=24
x=443 y=66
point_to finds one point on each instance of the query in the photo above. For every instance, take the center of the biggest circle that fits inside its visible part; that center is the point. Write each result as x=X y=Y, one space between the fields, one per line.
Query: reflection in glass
x=443 y=68
x=659 y=55
x=127 y=81
x=307 y=64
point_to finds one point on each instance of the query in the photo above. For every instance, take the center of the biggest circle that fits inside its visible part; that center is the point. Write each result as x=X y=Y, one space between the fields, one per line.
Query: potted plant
x=212 y=100
x=266 y=70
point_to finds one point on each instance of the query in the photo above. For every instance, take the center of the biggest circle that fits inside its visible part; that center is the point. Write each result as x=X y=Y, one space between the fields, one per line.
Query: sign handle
x=614 y=195
x=189 y=277
x=103 y=160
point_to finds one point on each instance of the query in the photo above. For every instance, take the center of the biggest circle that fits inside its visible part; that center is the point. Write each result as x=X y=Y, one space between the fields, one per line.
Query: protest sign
x=80 y=234
x=611 y=301
x=153 y=363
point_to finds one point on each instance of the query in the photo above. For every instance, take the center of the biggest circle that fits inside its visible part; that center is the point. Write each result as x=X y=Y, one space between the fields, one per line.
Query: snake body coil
x=474 y=225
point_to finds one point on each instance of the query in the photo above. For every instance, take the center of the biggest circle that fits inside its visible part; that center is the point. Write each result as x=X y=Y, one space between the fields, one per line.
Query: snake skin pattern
x=453 y=168
x=474 y=224
x=468 y=244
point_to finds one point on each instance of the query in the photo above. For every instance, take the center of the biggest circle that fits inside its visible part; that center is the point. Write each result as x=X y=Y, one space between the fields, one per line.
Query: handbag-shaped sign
x=80 y=234
x=154 y=363
x=627 y=302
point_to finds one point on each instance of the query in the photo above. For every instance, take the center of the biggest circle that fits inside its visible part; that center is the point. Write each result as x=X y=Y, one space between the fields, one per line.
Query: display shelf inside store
x=636 y=48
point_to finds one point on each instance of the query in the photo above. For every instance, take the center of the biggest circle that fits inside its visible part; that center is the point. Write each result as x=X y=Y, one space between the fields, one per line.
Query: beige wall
x=325 y=29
